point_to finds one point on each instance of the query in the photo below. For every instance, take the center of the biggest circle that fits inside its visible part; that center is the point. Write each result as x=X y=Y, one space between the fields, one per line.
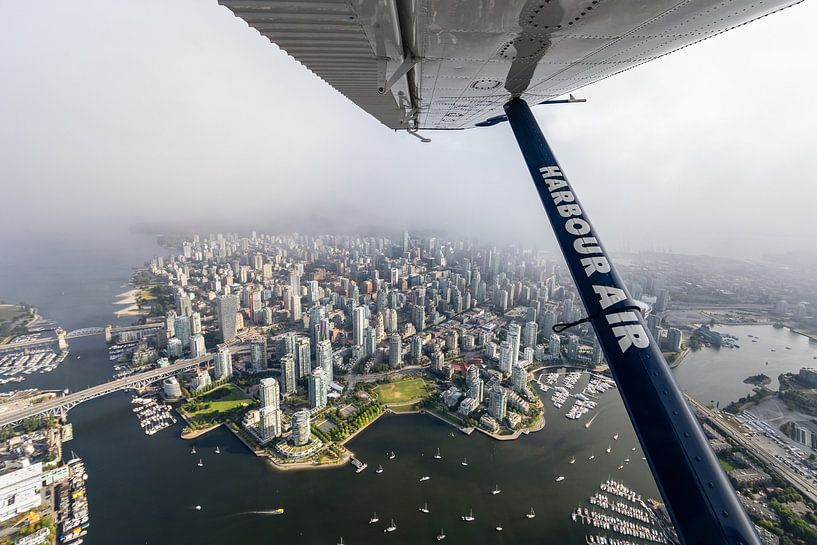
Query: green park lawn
x=217 y=405
x=401 y=391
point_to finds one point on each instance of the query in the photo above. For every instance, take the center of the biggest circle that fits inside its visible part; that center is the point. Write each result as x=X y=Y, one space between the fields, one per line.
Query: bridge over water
x=60 y=405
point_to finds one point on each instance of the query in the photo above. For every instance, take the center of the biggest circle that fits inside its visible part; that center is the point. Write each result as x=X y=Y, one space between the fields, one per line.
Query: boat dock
x=358 y=465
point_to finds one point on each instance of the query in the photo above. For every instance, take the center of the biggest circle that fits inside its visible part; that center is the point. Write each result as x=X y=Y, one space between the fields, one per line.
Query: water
x=717 y=374
x=144 y=489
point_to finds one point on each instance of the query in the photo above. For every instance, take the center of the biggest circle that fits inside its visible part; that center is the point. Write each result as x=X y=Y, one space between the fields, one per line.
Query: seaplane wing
x=449 y=64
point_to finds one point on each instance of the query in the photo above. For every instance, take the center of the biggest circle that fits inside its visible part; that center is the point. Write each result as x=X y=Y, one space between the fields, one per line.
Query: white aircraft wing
x=448 y=64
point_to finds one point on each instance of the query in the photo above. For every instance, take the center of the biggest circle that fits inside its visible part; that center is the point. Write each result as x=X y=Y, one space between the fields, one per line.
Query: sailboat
x=218 y=451
x=496 y=490
x=532 y=514
x=438 y=456
x=615 y=437
x=424 y=508
x=341 y=541
x=391 y=455
x=424 y=478
x=609 y=448
x=621 y=466
x=200 y=464
x=464 y=461
x=193 y=450
x=592 y=456
x=379 y=469
x=573 y=460
x=441 y=535
x=469 y=517
x=498 y=527
x=391 y=527
x=374 y=518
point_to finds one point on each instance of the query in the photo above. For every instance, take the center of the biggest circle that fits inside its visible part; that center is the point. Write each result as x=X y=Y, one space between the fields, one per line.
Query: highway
x=63 y=403
x=756 y=448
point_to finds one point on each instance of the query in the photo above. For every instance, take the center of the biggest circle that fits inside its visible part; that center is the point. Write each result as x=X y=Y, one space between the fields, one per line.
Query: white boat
x=200 y=464
x=464 y=461
x=218 y=451
x=532 y=514
x=469 y=517
x=391 y=455
x=438 y=456
x=633 y=449
x=498 y=527
x=391 y=527
x=615 y=437
x=626 y=460
x=573 y=460
x=621 y=466
x=496 y=490
x=609 y=448
x=560 y=478
x=379 y=469
x=441 y=535
x=341 y=541
x=193 y=450
x=592 y=456
x=424 y=478
x=198 y=508
x=374 y=519
x=424 y=508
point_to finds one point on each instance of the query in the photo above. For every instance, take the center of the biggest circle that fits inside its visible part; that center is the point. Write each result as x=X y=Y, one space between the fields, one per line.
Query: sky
x=116 y=113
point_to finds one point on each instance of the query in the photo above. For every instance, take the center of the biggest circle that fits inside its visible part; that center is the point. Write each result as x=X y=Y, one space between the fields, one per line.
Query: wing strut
x=700 y=499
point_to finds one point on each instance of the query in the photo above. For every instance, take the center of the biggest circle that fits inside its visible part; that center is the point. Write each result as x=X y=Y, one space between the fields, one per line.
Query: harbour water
x=144 y=489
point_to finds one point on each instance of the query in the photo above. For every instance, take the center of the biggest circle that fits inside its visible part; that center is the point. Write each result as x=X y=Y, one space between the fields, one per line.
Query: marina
x=15 y=364
x=619 y=511
x=153 y=415
x=72 y=505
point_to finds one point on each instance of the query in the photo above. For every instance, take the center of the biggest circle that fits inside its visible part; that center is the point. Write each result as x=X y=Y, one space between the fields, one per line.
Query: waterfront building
x=289 y=374
x=223 y=363
x=197 y=347
x=269 y=423
x=468 y=405
x=300 y=427
x=171 y=388
x=358 y=325
x=182 y=326
x=258 y=354
x=674 y=339
x=175 y=348
x=498 y=403
x=395 y=351
x=227 y=311
x=318 y=389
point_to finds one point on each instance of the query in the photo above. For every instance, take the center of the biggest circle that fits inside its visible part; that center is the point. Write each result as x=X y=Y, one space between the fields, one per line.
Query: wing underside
x=448 y=64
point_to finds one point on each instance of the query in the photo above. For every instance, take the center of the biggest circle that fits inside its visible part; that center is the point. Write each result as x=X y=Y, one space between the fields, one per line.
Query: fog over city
x=177 y=115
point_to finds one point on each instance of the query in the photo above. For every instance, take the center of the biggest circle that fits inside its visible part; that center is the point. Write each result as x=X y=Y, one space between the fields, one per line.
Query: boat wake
x=270 y=512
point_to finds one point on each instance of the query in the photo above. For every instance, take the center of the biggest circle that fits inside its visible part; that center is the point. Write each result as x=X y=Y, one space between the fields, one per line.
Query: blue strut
x=700 y=499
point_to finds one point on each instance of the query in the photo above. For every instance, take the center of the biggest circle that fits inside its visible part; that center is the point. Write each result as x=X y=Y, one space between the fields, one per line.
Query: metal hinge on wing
x=407 y=64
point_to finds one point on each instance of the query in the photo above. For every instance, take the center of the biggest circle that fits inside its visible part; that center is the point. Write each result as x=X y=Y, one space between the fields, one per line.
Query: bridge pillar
x=108 y=334
x=61 y=342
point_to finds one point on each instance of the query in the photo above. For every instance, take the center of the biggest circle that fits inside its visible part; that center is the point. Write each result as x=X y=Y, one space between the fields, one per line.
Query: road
x=757 y=449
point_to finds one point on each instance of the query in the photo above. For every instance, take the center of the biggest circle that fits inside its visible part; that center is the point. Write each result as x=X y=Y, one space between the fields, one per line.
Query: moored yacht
x=391 y=527
x=469 y=517
x=424 y=478
x=496 y=490
x=218 y=451
x=573 y=460
x=424 y=508
x=464 y=461
x=438 y=456
x=374 y=519
x=441 y=535
x=200 y=464
x=560 y=478
x=379 y=469
x=391 y=455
